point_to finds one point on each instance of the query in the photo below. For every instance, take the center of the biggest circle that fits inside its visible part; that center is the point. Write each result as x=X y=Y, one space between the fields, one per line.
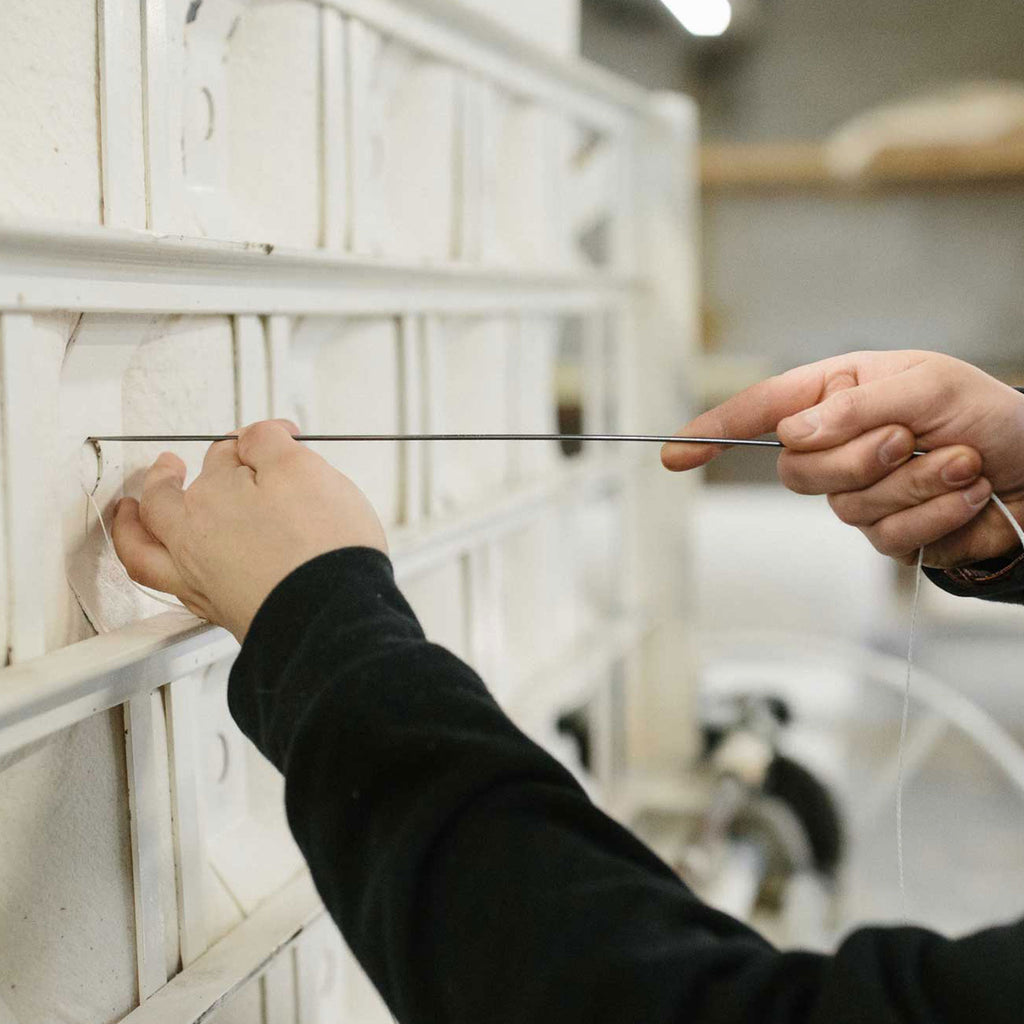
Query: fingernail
x=960 y=470
x=803 y=425
x=894 y=449
x=979 y=494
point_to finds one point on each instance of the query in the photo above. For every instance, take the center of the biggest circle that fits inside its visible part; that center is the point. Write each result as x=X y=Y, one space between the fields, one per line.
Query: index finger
x=260 y=445
x=163 y=504
x=222 y=455
x=749 y=414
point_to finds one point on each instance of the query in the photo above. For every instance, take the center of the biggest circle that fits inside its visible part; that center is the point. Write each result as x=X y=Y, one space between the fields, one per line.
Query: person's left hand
x=261 y=507
x=850 y=425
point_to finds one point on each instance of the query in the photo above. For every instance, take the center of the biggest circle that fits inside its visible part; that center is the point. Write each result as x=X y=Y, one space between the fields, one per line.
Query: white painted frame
x=139 y=263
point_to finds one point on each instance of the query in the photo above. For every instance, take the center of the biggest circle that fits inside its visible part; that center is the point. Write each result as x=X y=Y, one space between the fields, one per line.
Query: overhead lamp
x=702 y=17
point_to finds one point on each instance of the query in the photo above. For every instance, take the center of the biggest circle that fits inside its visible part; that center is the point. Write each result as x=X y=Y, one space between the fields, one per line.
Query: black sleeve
x=998 y=579
x=476 y=882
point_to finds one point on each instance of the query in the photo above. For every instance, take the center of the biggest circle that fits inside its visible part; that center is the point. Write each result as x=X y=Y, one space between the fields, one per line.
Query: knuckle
x=847 y=509
x=887 y=539
x=789 y=472
x=256 y=434
x=922 y=485
x=841 y=409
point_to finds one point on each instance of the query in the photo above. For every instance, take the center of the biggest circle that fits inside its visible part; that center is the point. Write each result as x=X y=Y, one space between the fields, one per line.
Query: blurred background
x=863 y=177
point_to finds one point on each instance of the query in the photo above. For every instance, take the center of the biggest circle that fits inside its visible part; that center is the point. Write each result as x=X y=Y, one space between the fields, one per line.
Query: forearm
x=469 y=872
x=475 y=881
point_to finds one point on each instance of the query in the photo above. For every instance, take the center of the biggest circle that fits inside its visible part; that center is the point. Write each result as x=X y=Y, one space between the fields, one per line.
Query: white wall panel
x=49 y=132
x=272 y=122
x=372 y=216
x=404 y=149
x=471 y=363
x=344 y=379
x=66 y=905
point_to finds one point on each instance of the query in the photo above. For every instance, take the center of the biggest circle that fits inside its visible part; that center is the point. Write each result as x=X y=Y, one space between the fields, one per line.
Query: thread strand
x=153 y=595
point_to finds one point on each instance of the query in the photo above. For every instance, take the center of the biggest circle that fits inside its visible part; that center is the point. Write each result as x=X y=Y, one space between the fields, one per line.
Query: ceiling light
x=702 y=17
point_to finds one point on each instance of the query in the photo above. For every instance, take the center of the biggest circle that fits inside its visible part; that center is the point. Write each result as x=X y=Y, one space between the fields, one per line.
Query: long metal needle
x=650 y=438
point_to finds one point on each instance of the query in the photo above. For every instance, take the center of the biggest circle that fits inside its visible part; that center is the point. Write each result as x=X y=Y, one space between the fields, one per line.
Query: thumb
x=751 y=413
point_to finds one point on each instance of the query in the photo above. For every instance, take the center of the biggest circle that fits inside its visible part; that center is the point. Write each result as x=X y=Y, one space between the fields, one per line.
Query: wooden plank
x=320 y=967
x=252 y=377
x=413 y=458
x=240 y=957
x=596 y=377
x=483 y=609
x=463 y=38
x=23 y=488
x=777 y=166
x=187 y=816
x=161 y=67
x=334 y=129
x=143 y=797
x=279 y=994
x=94 y=270
x=279 y=334
x=433 y=411
x=45 y=694
x=471 y=139
x=121 y=147
x=362 y=52
x=764 y=165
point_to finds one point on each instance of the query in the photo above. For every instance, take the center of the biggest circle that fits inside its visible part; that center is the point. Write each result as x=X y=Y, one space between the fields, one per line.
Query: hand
x=850 y=425
x=261 y=507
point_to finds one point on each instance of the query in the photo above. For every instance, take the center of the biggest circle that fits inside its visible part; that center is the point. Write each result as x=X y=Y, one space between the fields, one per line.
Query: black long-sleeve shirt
x=476 y=882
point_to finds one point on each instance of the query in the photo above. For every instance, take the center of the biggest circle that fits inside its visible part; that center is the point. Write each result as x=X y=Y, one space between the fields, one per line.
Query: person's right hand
x=262 y=506
x=850 y=425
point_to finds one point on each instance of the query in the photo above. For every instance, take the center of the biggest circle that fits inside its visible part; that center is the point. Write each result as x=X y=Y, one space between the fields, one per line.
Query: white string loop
x=998 y=502
x=153 y=595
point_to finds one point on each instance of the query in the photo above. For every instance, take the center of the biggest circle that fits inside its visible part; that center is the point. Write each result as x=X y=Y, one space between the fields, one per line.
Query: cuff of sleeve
x=343 y=606
x=996 y=579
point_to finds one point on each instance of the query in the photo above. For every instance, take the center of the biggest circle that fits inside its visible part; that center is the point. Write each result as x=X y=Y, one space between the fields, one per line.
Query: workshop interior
x=388 y=218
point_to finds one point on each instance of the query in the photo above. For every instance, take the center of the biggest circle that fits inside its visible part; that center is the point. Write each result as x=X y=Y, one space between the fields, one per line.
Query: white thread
x=153 y=595
x=998 y=502
x=905 y=718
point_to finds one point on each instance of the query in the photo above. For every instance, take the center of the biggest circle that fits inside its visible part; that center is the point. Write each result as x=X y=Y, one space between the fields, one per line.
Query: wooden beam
x=784 y=166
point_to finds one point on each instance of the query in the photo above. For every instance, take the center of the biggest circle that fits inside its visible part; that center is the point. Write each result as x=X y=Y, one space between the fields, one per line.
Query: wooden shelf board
x=780 y=166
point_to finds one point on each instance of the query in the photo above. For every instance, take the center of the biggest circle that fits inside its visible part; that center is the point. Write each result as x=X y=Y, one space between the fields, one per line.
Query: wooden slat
x=804 y=165
x=121 y=144
x=24 y=438
x=240 y=957
x=143 y=797
x=775 y=165
x=187 y=817
x=412 y=421
x=252 y=376
x=334 y=130
x=40 y=696
x=94 y=270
